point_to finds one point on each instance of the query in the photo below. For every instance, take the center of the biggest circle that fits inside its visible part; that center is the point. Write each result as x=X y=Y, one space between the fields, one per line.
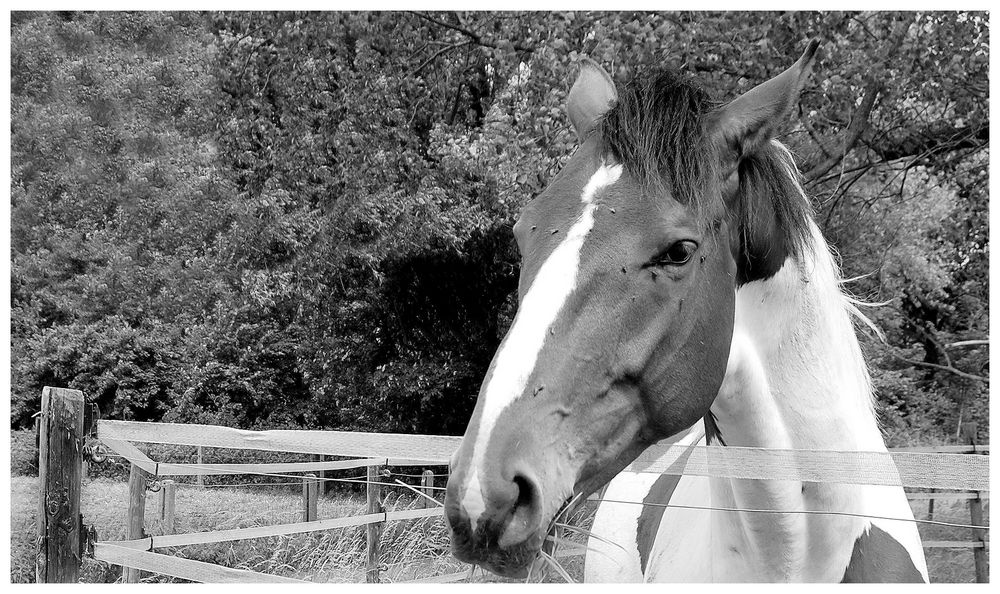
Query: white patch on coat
x=518 y=355
x=618 y=523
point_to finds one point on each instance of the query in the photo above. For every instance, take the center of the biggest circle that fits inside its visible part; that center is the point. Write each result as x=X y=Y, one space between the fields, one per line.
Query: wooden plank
x=321 y=473
x=374 y=530
x=186 y=569
x=427 y=487
x=427 y=448
x=60 y=466
x=980 y=559
x=135 y=523
x=970 y=433
x=201 y=476
x=310 y=498
x=168 y=500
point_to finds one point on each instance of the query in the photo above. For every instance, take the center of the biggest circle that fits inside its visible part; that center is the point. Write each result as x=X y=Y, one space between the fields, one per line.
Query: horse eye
x=676 y=255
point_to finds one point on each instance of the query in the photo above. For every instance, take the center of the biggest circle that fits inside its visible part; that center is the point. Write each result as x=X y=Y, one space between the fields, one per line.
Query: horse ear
x=590 y=98
x=752 y=119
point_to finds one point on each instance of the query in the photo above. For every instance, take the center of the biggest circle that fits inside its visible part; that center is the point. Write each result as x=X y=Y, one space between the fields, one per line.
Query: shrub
x=23 y=453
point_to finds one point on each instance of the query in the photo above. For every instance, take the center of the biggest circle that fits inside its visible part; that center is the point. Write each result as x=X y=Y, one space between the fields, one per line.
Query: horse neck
x=796 y=376
x=796 y=379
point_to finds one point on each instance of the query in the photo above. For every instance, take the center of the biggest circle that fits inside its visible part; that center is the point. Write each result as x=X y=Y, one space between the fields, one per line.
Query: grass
x=411 y=549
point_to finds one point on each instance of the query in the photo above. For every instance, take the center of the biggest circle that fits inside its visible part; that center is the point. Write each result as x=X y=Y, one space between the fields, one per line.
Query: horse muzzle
x=496 y=519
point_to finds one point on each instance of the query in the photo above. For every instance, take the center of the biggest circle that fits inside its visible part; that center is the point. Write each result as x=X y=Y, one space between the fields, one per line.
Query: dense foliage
x=280 y=220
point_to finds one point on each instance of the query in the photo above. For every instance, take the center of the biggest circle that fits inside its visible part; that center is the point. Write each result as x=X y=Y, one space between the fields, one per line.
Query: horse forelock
x=657 y=131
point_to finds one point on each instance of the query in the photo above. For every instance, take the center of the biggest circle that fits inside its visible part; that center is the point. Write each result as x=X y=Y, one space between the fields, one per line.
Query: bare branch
x=428 y=61
x=857 y=127
x=967 y=343
x=958 y=372
x=472 y=35
x=925 y=142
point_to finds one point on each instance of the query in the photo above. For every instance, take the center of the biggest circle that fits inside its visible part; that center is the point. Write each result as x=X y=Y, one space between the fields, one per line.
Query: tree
x=116 y=204
x=349 y=262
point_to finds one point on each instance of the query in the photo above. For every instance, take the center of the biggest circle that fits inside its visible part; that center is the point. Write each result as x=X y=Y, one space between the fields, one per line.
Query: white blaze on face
x=516 y=358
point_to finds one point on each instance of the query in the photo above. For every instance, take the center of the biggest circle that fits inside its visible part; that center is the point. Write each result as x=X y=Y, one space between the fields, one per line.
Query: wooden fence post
x=60 y=463
x=136 y=514
x=969 y=435
x=168 y=495
x=374 y=529
x=310 y=496
x=427 y=486
x=324 y=485
x=201 y=479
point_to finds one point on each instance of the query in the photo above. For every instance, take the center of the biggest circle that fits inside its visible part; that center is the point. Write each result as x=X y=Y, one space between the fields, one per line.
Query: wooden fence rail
x=58 y=557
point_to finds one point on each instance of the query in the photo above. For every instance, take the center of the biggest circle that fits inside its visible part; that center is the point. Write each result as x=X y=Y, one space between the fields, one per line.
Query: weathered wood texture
x=310 y=498
x=136 y=528
x=60 y=465
x=970 y=434
x=168 y=501
x=374 y=530
x=200 y=464
x=427 y=487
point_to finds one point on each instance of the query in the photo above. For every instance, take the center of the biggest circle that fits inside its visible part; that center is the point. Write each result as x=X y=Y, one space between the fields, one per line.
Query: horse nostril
x=526 y=514
x=525 y=492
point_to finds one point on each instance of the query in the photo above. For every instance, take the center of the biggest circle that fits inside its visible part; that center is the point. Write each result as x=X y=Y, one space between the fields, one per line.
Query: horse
x=674 y=286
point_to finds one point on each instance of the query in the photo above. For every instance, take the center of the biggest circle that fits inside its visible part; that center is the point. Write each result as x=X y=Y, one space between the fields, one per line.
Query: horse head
x=630 y=262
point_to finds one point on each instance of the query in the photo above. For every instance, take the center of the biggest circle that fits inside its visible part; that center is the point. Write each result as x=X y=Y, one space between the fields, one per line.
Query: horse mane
x=772 y=207
x=658 y=130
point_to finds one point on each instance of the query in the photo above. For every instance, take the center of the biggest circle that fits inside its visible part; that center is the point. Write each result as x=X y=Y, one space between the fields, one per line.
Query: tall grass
x=410 y=549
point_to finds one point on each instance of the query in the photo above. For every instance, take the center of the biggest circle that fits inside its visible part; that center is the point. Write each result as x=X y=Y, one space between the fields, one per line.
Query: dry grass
x=410 y=549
